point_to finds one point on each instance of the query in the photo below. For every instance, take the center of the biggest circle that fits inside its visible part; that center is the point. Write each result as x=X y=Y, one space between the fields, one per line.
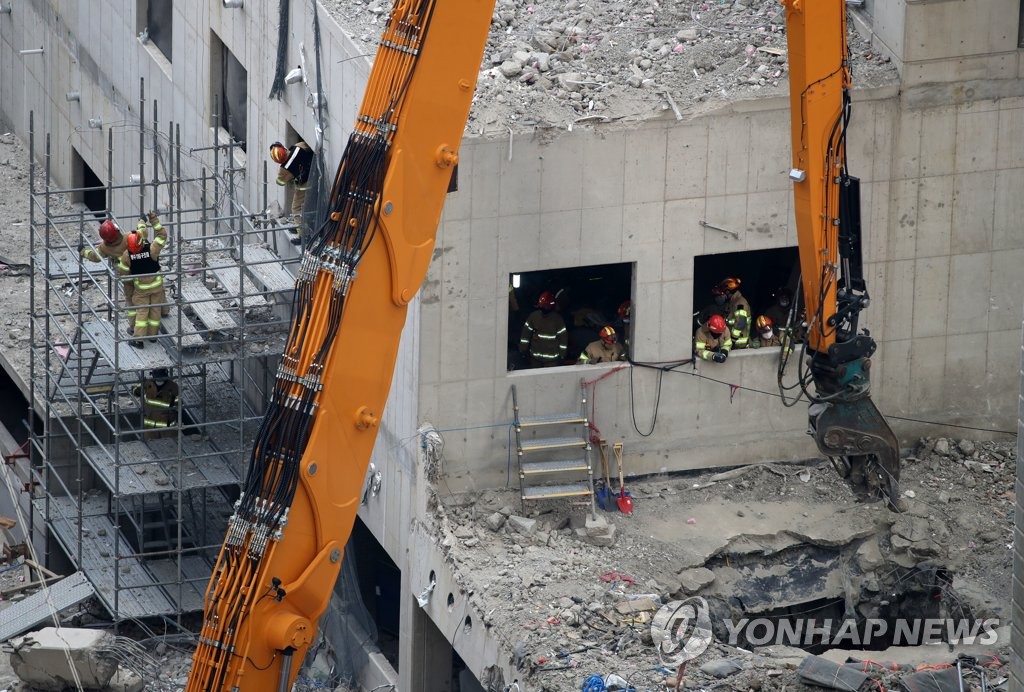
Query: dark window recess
x=453 y=182
x=587 y=298
x=91 y=190
x=230 y=92
x=380 y=588
x=1020 y=29
x=762 y=273
x=160 y=25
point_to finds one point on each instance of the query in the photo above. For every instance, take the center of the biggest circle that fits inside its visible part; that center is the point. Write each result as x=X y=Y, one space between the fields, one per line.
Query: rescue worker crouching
x=141 y=261
x=296 y=164
x=737 y=310
x=113 y=246
x=544 y=336
x=159 y=404
x=712 y=341
x=607 y=349
x=768 y=336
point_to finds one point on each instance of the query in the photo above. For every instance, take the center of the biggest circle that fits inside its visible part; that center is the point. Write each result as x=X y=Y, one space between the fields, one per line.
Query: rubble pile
x=757 y=541
x=559 y=63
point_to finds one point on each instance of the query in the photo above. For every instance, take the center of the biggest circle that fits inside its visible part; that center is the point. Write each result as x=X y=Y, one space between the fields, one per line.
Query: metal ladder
x=563 y=459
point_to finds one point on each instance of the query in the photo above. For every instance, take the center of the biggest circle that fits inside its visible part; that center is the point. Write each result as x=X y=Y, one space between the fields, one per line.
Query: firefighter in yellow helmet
x=768 y=336
x=607 y=349
x=736 y=308
x=141 y=262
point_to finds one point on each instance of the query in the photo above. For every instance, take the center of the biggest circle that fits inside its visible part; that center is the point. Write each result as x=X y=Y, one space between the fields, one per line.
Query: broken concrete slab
x=722 y=668
x=52 y=658
x=125 y=681
x=522 y=525
x=693 y=580
x=495 y=521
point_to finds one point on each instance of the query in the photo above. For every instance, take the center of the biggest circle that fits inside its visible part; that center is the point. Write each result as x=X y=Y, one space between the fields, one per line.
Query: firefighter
x=737 y=310
x=141 y=261
x=607 y=349
x=712 y=340
x=544 y=335
x=779 y=315
x=296 y=163
x=623 y=315
x=159 y=404
x=768 y=335
x=113 y=246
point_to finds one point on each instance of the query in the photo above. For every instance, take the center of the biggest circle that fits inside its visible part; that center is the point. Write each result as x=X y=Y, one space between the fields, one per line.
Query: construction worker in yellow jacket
x=141 y=261
x=712 y=341
x=296 y=164
x=607 y=349
x=737 y=310
x=544 y=335
x=159 y=404
x=113 y=246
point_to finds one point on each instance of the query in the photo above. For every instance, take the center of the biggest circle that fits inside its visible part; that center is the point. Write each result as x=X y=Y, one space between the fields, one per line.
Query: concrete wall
x=943 y=239
x=943 y=41
x=91 y=47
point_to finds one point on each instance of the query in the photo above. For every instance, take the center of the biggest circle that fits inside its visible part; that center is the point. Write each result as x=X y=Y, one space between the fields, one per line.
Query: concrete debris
x=764 y=545
x=551 y=64
x=52 y=659
x=721 y=668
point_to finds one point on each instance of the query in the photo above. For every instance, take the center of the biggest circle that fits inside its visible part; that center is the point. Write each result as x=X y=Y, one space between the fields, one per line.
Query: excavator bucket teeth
x=857 y=433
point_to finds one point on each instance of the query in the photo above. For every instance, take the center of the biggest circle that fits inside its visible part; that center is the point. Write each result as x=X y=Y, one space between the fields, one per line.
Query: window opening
x=230 y=91
x=90 y=190
x=155 y=19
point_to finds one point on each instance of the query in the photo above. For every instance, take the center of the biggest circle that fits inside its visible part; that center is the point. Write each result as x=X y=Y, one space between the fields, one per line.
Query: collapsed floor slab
x=55 y=659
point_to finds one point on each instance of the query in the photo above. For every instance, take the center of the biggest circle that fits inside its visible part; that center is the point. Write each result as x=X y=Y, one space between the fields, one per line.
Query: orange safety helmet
x=726 y=285
x=279 y=152
x=135 y=242
x=608 y=335
x=625 y=308
x=763 y=324
x=716 y=324
x=546 y=301
x=109 y=232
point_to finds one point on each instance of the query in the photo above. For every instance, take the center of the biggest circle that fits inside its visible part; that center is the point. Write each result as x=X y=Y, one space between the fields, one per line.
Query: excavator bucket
x=862 y=446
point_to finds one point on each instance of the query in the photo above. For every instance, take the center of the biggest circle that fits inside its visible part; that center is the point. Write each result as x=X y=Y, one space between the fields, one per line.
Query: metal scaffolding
x=142 y=511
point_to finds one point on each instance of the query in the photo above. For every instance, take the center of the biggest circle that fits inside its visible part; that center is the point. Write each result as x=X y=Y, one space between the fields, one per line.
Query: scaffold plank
x=206 y=307
x=195 y=573
x=124 y=586
x=190 y=336
x=230 y=278
x=136 y=471
x=66 y=263
x=266 y=268
x=151 y=356
x=200 y=463
x=41 y=606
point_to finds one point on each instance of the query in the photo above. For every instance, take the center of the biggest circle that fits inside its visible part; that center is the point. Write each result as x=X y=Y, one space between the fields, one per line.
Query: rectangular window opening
x=583 y=301
x=155 y=19
x=229 y=92
x=89 y=189
x=764 y=277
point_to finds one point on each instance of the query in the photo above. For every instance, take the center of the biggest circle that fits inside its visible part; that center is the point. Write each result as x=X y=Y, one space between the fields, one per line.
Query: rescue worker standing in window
x=296 y=164
x=737 y=310
x=604 y=350
x=544 y=335
x=159 y=404
x=113 y=246
x=712 y=341
x=141 y=260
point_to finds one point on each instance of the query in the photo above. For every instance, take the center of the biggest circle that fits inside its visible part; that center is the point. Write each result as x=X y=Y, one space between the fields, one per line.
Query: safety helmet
x=546 y=300
x=716 y=324
x=109 y=232
x=726 y=285
x=763 y=324
x=608 y=335
x=278 y=152
x=625 y=307
x=134 y=242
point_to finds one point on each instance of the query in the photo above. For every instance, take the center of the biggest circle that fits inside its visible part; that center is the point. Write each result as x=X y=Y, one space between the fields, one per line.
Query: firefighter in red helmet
x=140 y=264
x=607 y=349
x=113 y=245
x=544 y=336
x=295 y=166
x=712 y=341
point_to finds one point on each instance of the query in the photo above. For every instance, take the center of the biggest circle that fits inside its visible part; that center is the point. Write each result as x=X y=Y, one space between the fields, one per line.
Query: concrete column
x=424 y=655
x=1017 y=610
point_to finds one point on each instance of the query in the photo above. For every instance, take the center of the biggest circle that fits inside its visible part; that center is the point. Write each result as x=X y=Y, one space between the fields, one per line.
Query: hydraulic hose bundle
x=327 y=269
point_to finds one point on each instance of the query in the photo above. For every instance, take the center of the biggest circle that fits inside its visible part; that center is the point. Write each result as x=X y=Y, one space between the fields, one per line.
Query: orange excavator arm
x=361 y=267
x=847 y=426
